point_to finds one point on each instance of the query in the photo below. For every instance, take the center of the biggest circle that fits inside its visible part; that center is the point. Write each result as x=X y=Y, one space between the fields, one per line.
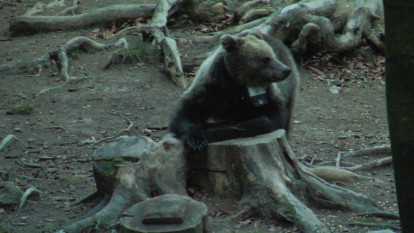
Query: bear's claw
x=195 y=143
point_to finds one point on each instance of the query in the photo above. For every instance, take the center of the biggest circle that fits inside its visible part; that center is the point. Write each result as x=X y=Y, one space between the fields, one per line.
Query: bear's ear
x=257 y=33
x=229 y=43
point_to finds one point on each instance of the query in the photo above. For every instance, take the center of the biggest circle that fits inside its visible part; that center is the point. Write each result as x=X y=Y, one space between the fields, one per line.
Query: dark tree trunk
x=399 y=22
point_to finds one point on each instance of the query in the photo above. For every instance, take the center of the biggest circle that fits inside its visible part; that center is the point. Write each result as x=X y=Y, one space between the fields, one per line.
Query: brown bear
x=248 y=84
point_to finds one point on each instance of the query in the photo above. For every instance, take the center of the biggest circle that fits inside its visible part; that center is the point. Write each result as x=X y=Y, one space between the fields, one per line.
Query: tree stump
x=166 y=213
x=262 y=171
x=265 y=173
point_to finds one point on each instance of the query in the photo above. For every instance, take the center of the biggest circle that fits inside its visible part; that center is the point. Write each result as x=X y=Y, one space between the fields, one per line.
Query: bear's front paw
x=195 y=142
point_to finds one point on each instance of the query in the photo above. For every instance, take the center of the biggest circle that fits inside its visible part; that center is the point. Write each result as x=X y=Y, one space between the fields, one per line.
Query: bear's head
x=251 y=61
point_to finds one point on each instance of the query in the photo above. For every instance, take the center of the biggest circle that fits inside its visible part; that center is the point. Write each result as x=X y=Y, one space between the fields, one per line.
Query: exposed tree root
x=371 y=164
x=254 y=14
x=34 y=24
x=359 y=22
x=311 y=25
x=108 y=215
x=107 y=139
x=26 y=66
x=156 y=27
x=172 y=59
x=330 y=173
x=61 y=57
x=71 y=10
x=395 y=226
x=7 y=141
x=378 y=150
x=189 y=63
x=386 y=215
x=26 y=194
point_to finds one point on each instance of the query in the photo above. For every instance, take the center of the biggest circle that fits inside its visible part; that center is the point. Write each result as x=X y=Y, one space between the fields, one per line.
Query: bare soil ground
x=53 y=154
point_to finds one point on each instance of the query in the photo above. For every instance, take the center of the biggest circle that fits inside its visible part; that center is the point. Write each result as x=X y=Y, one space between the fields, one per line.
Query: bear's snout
x=286 y=71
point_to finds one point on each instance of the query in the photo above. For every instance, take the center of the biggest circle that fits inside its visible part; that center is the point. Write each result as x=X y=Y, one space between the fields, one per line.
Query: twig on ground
x=378 y=150
x=126 y=130
x=7 y=140
x=237 y=215
x=131 y=30
x=313 y=159
x=375 y=224
x=30 y=191
x=172 y=58
x=386 y=215
x=338 y=160
x=72 y=9
x=61 y=58
x=371 y=164
x=56 y=127
x=330 y=173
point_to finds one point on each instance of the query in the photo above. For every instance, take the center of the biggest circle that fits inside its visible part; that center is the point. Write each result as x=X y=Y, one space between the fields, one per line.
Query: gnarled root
x=61 y=57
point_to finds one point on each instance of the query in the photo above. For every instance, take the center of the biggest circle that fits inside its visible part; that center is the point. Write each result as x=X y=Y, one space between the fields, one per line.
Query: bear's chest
x=237 y=105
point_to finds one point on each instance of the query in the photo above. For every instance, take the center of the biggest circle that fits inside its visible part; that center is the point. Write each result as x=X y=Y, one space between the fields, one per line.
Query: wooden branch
x=190 y=62
x=375 y=224
x=61 y=58
x=35 y=65
x=377 y=150
x=26 y=194
x=172 y=59
x=256 y=13
x=34 y=24
x=70 y=10
x=371 y=164
x=7 y=141
x=290 y=21
x=115 y=136
x=386 y=215
x=330 y=173
x=160 y=17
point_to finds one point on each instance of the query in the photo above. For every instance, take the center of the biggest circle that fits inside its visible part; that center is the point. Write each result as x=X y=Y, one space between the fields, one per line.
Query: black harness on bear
x=257 y=96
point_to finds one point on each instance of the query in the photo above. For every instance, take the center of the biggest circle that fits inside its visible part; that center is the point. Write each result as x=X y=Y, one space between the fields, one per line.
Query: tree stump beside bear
x=264 y=173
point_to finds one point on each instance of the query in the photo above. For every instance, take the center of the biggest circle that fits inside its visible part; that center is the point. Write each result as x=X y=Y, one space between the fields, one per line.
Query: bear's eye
x=267 y=59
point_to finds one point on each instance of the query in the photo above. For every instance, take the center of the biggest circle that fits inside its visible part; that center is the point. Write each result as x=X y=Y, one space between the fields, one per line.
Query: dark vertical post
x=399 y=73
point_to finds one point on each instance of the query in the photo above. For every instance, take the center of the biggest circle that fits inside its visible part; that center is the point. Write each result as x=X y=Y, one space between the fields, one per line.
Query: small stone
x=66 y=206
x=335 y=89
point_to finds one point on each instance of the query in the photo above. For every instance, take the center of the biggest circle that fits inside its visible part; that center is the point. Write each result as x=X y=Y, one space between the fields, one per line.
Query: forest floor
x=341 y=107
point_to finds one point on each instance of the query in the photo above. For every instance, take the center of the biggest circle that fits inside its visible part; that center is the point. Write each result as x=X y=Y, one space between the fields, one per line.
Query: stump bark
x=266 y=175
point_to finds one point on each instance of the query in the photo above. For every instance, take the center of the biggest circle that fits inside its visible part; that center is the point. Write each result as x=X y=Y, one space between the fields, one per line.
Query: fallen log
x=172 y=59
x=32 y=24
